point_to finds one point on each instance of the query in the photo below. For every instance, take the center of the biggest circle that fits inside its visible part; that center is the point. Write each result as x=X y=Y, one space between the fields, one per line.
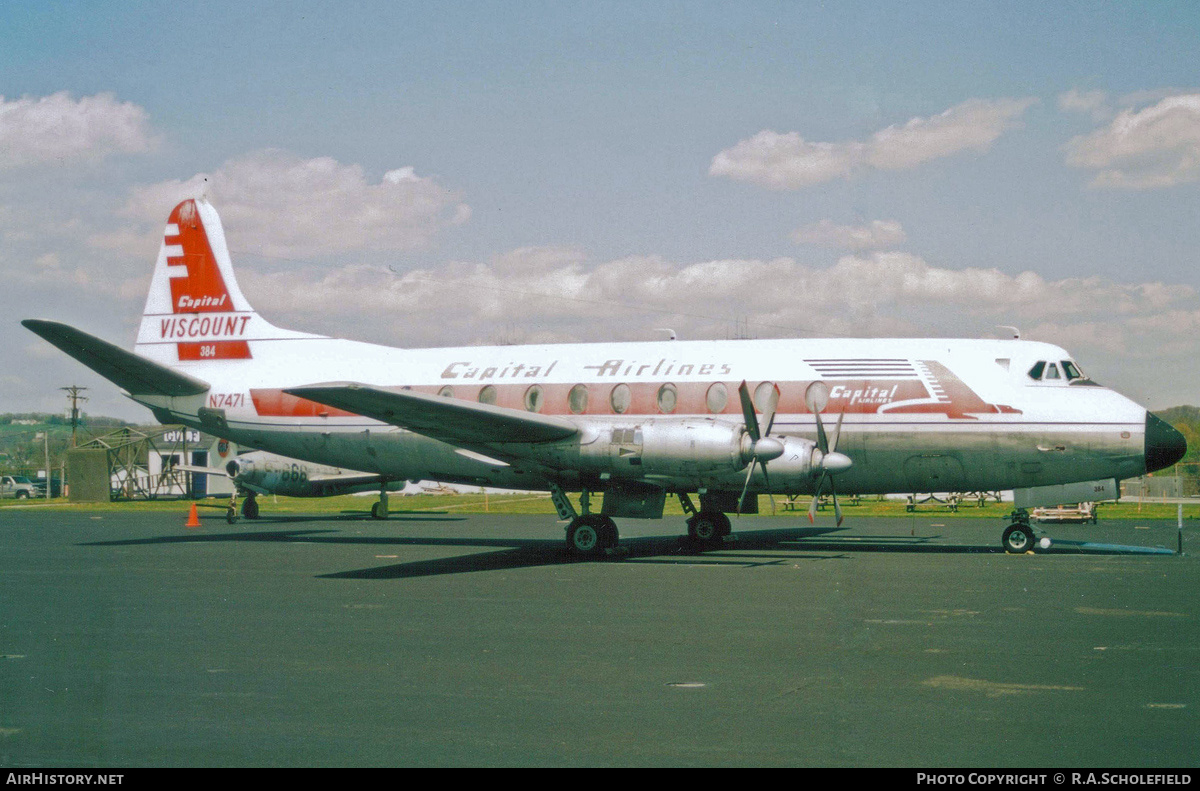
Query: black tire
x=1017 y=539
x=609 y=537
x=231 y=515
x=22 y=495
x=250 y=508
x=585 y=537
x=707 y=529
x=375 y=512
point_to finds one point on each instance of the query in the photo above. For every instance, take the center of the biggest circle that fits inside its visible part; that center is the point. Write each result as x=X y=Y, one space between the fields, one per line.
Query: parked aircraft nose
x=1164 y=445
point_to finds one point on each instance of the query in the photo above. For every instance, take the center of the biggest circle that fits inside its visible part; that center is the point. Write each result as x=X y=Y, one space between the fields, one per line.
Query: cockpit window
x=1035 y=372
x=1070 y=369
x=1052 y=372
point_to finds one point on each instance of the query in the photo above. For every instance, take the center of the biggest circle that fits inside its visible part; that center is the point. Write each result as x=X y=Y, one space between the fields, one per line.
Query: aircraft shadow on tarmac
x=750 y=549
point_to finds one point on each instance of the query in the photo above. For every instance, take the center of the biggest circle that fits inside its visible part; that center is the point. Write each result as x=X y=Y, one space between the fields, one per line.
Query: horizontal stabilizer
x=125 y=369
x=449 y=419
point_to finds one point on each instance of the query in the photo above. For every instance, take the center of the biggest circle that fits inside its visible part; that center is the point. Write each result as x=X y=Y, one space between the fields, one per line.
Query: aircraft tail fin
x=195 y=311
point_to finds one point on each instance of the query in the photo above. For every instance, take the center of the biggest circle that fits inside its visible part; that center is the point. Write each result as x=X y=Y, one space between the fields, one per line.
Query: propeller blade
x=769 y=412
x=837 y=509
x=767 y=480
x=837 y=433
x=748 y=411
x=749 y=474
x=812 y=507
x=822 y=440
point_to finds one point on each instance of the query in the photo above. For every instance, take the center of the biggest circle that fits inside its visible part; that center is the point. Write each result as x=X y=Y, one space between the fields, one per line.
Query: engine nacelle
x=677 y=447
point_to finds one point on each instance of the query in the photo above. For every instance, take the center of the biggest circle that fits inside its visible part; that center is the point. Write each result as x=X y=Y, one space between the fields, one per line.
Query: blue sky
x=593 y=171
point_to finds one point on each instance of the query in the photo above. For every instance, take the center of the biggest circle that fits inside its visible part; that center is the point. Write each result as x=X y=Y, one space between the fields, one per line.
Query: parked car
x=19 y=487
x=55 y=487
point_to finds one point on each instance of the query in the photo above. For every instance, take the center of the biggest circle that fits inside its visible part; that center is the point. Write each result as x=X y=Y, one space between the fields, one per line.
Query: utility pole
x=73 y=394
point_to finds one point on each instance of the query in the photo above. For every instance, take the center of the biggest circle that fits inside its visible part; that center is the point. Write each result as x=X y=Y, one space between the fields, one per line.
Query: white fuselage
x=919 y=414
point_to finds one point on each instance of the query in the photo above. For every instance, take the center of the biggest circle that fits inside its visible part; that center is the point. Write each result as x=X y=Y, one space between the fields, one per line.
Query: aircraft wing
x=127 y=370
x=448 y=419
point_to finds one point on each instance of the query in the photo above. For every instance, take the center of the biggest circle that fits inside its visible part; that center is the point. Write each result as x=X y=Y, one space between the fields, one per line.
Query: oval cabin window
x=667 y=398
x=621 y=398
x=577 y=399
x=534 y=399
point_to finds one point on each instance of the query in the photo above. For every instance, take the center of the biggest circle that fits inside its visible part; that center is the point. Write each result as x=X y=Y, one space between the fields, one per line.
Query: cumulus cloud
x=542 y=295
x=58 y=128
x=788 y=161
x=873 y=236
x=279 y=204
x=1158 y=146
x=1094 y=103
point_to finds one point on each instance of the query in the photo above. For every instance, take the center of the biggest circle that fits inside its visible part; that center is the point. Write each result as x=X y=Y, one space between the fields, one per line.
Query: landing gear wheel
x=708 y=528
x=377 y=512
x=249 y=508
x=231 y=515
x=1017 y=539
x=591 y=535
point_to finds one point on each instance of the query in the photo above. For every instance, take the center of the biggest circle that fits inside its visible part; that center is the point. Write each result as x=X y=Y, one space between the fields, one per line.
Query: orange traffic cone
x=193 y=517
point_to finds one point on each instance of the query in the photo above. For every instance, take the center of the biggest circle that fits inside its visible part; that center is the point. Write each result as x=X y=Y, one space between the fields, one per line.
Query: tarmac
x=434 y=639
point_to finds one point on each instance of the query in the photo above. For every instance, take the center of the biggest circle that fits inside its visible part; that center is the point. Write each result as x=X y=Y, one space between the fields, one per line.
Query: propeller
x=830 y=462
x=763 y=447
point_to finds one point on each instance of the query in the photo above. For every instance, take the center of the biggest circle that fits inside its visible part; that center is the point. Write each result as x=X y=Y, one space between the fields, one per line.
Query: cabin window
x=717 y=397
x=534 y=399
x=577 y=399
x=667 y=398
x=620 y=398
x=762 y=395
x=1003 y=362
x=1052 y=372
x=487 y=394
x=446 y=392
x=1035 y=373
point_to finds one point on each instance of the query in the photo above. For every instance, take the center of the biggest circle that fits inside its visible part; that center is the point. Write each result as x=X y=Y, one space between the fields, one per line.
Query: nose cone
x=1164 y=445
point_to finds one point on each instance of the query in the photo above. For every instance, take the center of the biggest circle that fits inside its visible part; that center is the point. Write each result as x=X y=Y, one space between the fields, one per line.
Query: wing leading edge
x=127 y=370
x=451 y=420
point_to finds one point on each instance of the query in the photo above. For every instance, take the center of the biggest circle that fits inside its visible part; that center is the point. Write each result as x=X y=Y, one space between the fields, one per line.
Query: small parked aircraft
x=727 y=420
x=260 y=472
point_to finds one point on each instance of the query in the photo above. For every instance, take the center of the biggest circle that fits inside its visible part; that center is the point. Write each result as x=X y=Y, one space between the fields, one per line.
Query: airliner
x=632 y=422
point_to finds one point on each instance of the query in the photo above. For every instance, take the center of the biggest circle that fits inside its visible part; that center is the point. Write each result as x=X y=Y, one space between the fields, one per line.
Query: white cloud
x=787 y=161
x=535 y=295
x=873 y=236
x=278 y=204
x=58 y=128
x=1158 y=146
x=1095 y=103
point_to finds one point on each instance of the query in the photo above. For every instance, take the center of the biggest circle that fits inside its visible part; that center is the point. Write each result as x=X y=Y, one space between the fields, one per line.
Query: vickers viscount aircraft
x=727 y=420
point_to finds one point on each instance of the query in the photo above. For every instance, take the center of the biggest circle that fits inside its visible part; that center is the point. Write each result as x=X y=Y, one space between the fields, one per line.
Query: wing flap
x=125 y=369
x=449 y=419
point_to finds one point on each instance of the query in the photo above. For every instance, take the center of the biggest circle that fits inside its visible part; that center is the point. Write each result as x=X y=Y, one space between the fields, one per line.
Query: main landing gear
x=1018 y=537
x=706 y=529
x=588 y=535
